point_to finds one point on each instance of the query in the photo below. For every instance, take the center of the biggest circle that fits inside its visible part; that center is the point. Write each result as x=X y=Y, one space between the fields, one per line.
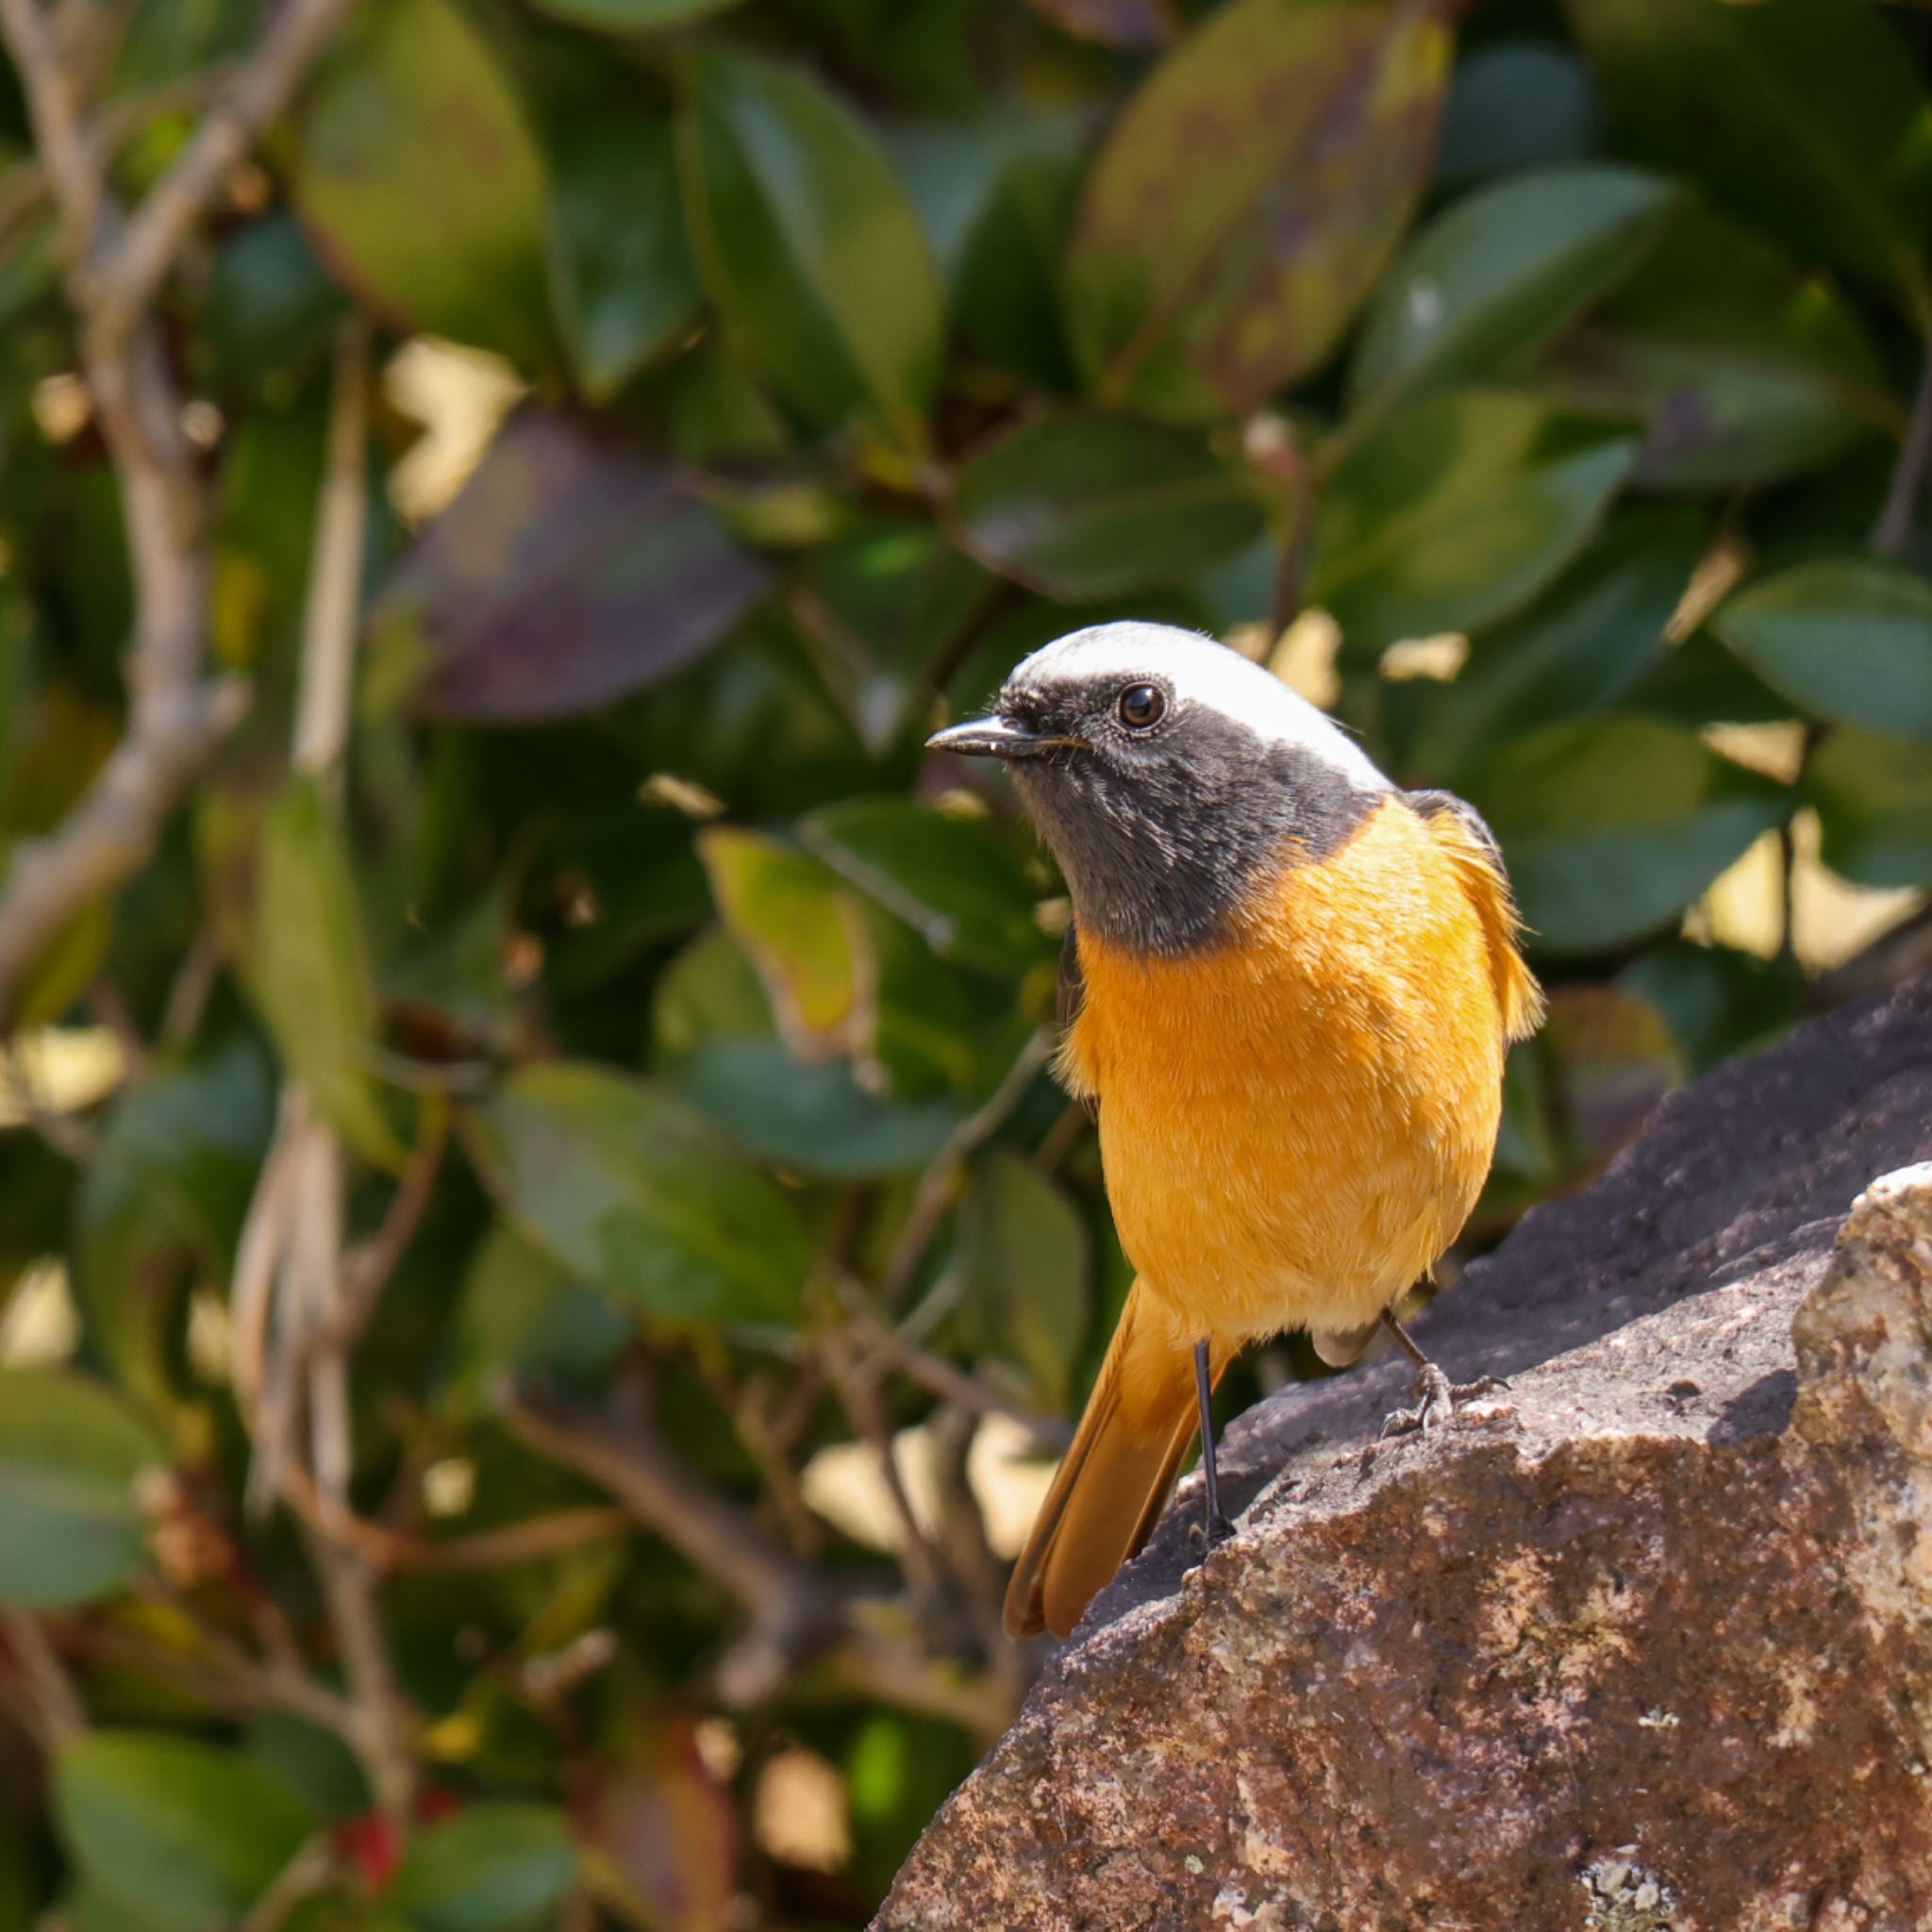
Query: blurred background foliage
x=539 y=1257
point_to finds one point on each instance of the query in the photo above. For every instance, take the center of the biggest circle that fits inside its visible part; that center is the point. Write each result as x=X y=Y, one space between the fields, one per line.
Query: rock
x=1643 y=1642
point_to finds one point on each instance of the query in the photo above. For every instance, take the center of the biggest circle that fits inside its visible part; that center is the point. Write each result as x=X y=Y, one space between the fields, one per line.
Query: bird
x=1286 y=994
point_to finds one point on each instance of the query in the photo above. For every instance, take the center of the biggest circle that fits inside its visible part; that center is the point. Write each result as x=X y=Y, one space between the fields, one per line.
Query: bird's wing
x=1458 y=828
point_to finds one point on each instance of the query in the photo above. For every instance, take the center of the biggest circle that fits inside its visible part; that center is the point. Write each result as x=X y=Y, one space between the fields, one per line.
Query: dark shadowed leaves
x=632 y=16
x=1874 y=798
x=1804 y=115
x=621 y=270
x=1248 y=196
x=1515 y=104
x=1455 y=510
x=1090 y=506
x=1716 y=1000
x=1023 y=1249
x=187 y=1831
x=519 y=1309
x=1846 y=637
x=491 y=1867
x=637 y=1193
x=951 y=879
x=1582 y=645
x=1745 y=370
x=1008 y=298
x=812 y=1119
x=1612 y=825
x=809 y=245
x=308 y=967
x=162 y=1201
x=71 y=1454
x=1112 y=22
x=418 y=174
x=567 y=573
x=1502 y=272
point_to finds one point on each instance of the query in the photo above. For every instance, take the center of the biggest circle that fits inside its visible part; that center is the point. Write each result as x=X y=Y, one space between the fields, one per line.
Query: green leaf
x=1112 y=22
x=418 y=174
x=1804 y=115
x=1582 y=645
x=1846 y=637
x=621 y=271
x=71 y=1524
x=639 y=1195
x=520 y=1309
x=1500 y=273
x=1514 y=104
x=801 y=929
x=951 y=879
x=1025 y=1253
x=1089 y=506
x=1717 y=1001
x=810 y=247
x=309 y=968
x=185 y=1829
x=1745 y=371
x=1873 y=799
x=270 y=306
x=1006 y=297
x=1455 y=511
x=568 y=572
x=491 y=1867
x=632 y=16
x=162 y=1203
x=1612 y=825
x=813 y=1119
x=1247 y=198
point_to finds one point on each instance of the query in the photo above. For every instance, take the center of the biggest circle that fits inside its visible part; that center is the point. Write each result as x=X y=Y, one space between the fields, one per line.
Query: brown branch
x=258 y=91
x=50 y=1703
x=116 y=264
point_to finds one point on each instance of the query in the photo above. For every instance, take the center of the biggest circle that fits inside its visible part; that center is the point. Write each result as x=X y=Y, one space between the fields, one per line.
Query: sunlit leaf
x=639 y=1195
x=184 y=1828
x=70 y=1524
x=810 y=246
x=1501 y=271
x=950 y=879
x=1455 y=511
x=567 y=573
x=1874 y=798
x=1844 y=638
x=621 y=270
x=1611 y=825
x=417 y=172
x=1090 y=506
x=798 y=922
x=491 y=1867
x=1249 y=194
x=309 y=972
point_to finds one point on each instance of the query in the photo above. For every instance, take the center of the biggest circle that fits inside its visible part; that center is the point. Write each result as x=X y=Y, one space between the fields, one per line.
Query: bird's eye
x=1141 y=706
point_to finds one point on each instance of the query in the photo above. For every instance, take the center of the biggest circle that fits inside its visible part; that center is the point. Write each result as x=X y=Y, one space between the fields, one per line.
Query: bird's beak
x=994 y=738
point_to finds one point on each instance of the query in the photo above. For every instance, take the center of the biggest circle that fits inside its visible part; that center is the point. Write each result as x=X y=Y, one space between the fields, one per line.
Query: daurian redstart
x=1287 y=993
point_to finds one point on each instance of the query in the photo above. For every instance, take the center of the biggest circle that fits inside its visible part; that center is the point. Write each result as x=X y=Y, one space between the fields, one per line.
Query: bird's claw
x=1211 y=1533
x=1436 y=1397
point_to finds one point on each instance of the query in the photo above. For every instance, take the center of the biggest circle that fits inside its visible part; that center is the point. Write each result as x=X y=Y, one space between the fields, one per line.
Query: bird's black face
x=1163 y=809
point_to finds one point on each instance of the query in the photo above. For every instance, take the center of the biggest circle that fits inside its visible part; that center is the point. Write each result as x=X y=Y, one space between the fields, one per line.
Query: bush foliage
x=476 y=1212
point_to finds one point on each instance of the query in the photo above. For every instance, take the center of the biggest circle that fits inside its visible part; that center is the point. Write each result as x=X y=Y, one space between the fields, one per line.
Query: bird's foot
x=1436 y=1397
x=1210 y=1532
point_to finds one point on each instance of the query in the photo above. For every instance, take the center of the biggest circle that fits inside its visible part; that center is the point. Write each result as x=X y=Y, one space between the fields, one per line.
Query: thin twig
x=310 y=1871
x=1893 y=529
x=55 y=1705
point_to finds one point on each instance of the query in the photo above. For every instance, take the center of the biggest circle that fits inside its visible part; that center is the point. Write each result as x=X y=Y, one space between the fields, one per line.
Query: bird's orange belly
x=1296 y=1123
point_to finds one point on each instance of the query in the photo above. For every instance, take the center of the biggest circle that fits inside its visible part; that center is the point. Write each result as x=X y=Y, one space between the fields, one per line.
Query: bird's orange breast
x=1296 y=1122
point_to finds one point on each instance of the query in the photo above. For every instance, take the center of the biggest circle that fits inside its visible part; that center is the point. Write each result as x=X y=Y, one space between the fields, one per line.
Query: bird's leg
x=1215 y=1528
x=1434 y=1395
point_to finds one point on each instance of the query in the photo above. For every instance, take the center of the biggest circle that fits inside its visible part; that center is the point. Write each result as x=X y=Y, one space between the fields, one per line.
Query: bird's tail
x=1113 y=1480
